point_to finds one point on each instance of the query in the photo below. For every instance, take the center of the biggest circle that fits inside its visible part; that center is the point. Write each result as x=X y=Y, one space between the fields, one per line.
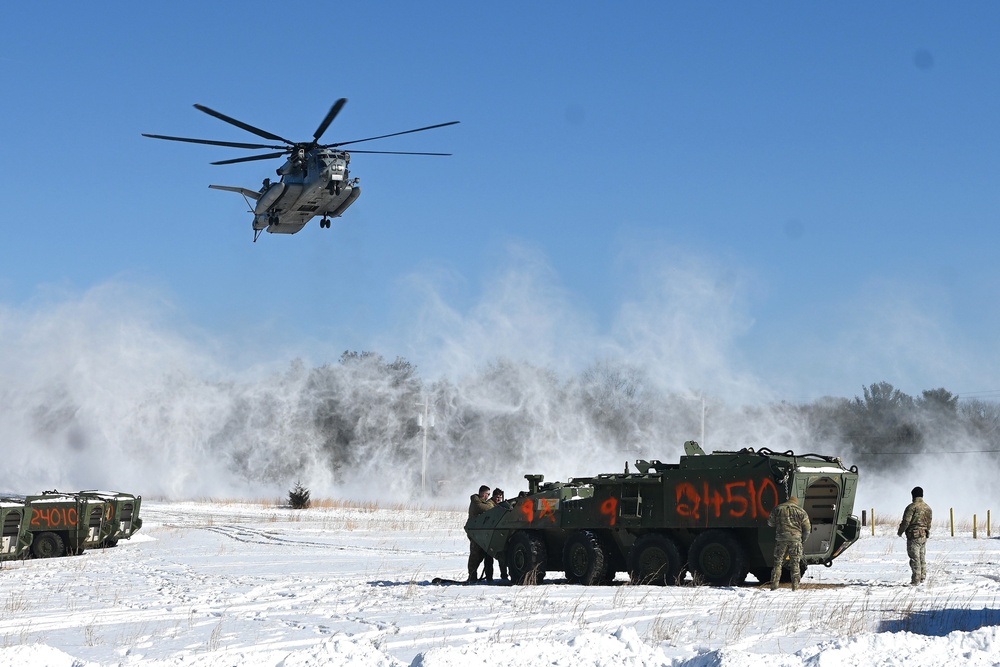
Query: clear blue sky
x=797 y=198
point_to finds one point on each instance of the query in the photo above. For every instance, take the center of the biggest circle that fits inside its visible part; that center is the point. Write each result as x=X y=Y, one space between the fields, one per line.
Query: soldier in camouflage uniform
x=792 y=529
x=479 y=503
x=496 y=499
x=916 y=524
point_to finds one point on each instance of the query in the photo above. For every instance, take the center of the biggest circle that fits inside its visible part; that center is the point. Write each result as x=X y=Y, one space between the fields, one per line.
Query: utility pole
x=425 y=420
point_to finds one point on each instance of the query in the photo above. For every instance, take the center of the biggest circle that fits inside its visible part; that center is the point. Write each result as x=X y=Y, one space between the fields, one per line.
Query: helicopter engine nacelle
x=269 y=198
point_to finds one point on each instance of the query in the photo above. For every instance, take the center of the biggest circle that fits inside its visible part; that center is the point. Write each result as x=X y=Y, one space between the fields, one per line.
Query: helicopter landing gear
x=324 y=223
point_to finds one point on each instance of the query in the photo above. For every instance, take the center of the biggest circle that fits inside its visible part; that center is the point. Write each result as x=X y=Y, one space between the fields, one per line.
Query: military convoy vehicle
x=16 y=536
x=62 y=523
x=121 y=515
x=706 y=515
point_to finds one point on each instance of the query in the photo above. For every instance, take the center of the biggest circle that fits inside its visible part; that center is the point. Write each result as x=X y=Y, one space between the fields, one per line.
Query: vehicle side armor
x=62 y=523
x=706 y=514
x=121 y=515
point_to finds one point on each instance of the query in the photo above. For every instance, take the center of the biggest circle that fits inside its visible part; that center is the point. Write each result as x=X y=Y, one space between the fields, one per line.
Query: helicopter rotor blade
x=397 y=153
x=394 y=134
x=251 y=158
x=210 y=142
x=334 y=110
x=240 y=124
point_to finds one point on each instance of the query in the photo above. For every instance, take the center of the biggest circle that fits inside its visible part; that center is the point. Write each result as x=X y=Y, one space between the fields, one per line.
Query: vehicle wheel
x=717 y=558
x=47 y=545
x=655 y=560
x=526 y=558
x=584 y=559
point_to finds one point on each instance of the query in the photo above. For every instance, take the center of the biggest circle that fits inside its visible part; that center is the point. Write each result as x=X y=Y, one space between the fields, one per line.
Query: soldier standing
x=916 y=524
x=496 y=499
x=480 y=502
x=792 y=529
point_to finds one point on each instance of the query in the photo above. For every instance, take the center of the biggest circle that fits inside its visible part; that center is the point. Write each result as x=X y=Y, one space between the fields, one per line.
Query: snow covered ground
x=211 y=584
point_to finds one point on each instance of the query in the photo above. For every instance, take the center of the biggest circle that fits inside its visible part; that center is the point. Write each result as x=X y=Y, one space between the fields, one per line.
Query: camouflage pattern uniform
x=793 y=527
x=916 y=524
x=479 y=503
x=496 y=499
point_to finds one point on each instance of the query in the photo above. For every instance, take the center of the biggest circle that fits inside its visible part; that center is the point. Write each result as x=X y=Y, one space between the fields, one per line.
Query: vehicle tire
x=584 y=559
x=655 y=560
x=47 y=545
x=526 y=558
x=717 y=558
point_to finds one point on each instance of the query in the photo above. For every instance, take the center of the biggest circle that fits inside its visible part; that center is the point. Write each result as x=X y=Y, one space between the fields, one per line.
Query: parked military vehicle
x=706 y=515
x=16 y=536
x=121 y=515
x=62 y=523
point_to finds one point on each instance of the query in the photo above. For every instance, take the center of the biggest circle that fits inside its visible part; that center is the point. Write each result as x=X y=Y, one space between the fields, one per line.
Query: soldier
x=792 y=530
x=496 y=499
x=916 y=524
x=480 y=502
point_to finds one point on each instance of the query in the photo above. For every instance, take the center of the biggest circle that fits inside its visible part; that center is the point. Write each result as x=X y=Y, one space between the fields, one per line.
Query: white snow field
x=209 y=584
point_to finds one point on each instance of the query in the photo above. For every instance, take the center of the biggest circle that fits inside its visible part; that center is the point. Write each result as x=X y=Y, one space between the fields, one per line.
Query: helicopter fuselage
x=313 y=184
x=314 y=179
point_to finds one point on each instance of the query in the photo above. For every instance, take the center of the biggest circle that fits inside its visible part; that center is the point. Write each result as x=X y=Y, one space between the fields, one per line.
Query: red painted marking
x=528 y=510
x=737 y=499
x=767 y=485
x=691 y=500
x=738 y=503
x=53 y=517
x=548 y=507
x=610 y=508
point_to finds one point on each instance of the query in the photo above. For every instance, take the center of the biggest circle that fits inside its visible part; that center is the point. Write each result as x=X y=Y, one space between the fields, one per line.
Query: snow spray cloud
x=555 y=396
x=102 y=390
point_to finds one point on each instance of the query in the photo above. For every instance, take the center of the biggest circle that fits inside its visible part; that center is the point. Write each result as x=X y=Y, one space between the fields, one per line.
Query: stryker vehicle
x=62 y=523
x=706 y=514
x=121 y=515
x=16 y=537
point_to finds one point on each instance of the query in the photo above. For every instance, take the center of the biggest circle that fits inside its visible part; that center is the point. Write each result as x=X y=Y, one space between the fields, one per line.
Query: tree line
x=362 y=417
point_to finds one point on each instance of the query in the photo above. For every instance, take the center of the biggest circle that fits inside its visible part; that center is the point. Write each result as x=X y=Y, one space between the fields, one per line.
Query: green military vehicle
x=16 y=536
x=63 y=523
x=121 y=515
x=706 y=515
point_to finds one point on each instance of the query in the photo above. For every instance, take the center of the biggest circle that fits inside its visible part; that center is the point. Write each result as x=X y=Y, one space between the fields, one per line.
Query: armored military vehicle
x=16 y=536
x=706 y=515
x=121 y=515
x=62 y=523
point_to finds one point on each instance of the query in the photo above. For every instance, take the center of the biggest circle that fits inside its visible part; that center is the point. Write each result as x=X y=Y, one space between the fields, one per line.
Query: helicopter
x=315 y=180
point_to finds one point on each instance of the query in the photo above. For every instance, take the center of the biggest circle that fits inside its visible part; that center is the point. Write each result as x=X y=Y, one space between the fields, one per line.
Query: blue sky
x=773 y=200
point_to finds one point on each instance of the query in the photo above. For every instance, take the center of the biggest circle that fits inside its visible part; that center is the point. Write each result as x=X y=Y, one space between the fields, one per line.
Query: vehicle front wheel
x=526 y=556
x=47 y=545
